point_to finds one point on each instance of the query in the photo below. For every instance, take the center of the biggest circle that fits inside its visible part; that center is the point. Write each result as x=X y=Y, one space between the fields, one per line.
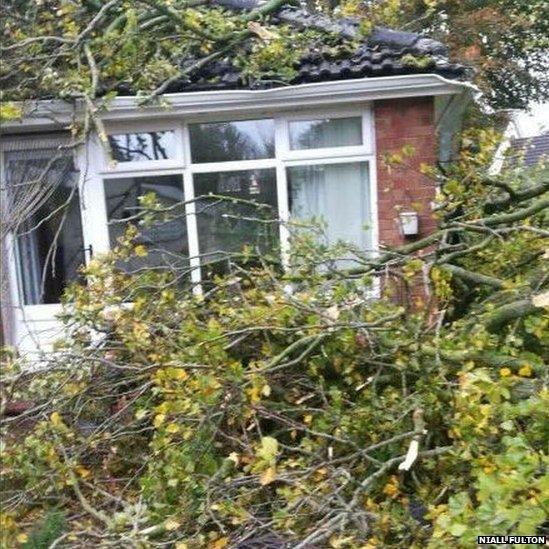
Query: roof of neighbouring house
x=384 y=52
x=529 y=151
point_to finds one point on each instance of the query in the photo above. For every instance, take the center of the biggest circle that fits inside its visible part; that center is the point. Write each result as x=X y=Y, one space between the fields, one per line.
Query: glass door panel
x=43 y=193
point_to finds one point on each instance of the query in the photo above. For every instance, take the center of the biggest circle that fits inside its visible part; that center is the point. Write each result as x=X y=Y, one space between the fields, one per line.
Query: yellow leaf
x=178 y=373
x=260 y=31
x=391 y=488
x=254 y=394
x=171 y=524
x=268 y=476
x=159 y=420
x=220 y=543
x=83 y=472
x=10 y=111
x=56 y=420
x=338 y=542
x=172 y=428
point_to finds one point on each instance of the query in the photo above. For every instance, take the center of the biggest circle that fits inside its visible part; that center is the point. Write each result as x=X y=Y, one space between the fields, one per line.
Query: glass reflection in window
x=228 y=226
x=330 y=132
x=166 y=241
x=143 y=146
x=225 y=141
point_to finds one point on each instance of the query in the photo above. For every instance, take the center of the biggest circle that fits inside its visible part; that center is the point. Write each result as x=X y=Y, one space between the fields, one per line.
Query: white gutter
x=58 y=114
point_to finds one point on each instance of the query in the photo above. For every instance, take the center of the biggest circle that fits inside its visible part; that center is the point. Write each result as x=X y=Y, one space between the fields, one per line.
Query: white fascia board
x=52 y=114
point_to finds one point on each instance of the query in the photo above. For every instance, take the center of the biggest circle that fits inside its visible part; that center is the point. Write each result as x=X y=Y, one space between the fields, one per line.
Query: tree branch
x=475 y=278
x=504 y=219
x=515 y=197
x=509 y=312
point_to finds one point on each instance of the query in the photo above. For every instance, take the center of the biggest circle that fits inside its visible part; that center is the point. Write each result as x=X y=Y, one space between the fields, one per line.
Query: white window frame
x=331 y=152
x=284 y=157
x=145 y=165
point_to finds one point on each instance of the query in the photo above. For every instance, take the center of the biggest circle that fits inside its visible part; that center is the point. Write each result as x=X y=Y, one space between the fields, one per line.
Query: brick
x=400 y=122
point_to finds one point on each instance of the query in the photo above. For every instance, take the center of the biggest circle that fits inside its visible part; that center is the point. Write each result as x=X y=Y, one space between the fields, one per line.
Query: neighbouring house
x=518 y=148
x=311 y=147
x=529 y=151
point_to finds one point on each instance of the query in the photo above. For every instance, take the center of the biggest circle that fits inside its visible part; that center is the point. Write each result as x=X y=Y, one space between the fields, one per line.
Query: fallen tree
x=288 y=407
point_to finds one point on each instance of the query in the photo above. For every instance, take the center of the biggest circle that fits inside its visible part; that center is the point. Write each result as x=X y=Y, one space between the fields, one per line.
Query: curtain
x=336 y=194
x=44 y=213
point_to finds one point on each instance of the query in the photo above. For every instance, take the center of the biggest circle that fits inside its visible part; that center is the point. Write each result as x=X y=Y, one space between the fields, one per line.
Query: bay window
x=230 y=185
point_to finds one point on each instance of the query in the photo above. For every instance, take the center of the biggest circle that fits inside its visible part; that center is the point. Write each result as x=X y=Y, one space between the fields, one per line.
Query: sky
x=534 y=122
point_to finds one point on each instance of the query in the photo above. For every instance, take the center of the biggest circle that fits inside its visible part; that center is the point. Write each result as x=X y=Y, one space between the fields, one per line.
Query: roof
x=385 y=52
x=529 y=151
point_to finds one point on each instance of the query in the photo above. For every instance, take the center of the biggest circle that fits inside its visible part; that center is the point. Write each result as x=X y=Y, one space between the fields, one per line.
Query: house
x=313 y=146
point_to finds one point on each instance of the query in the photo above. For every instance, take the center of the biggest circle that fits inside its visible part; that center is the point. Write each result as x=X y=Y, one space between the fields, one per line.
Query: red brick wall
x=400 y=122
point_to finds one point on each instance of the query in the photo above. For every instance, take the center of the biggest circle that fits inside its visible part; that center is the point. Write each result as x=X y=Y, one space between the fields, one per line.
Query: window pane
x=240 y=140
x=135 y=147
x=166 y=242
x=338 y=194
x=330 y=132
x=227 y=226
x=44 y=193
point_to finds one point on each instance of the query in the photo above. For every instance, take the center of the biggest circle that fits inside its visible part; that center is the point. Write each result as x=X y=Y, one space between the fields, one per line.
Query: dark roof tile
x=529 y=151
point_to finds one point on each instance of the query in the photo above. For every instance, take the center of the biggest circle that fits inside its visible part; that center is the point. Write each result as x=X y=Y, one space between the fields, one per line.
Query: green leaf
x=457 y=529
x=268 y=449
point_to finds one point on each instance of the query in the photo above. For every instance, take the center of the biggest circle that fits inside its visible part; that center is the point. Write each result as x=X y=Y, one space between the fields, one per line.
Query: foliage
x=75 y=50
x=287 y=404
x=66 y=49
x=47 y=531
x=281 y=404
